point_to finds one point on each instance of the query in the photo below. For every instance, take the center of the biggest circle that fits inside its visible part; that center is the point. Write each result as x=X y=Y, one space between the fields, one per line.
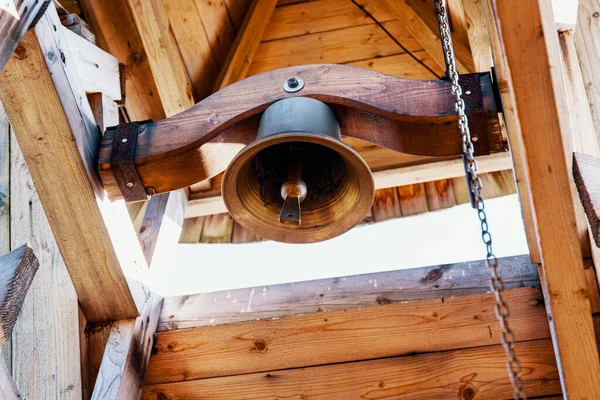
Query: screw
x=468 y=92
x=129 y=184
x=124 y=140
x=293 y=83
x=474 y=138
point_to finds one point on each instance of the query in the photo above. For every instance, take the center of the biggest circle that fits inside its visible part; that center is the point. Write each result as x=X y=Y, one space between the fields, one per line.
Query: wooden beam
x=341 y=293
x=470 y=373
x=97 y=241
x=586 y=171
x=246 y=42
x=165 y=61
x=512 y=125
x=15 y=18
x=479 y=40
x=116 y=32
x=17 y=270
x=383 y=179
x=342 y=336
x=428 y=37
x=563 y=279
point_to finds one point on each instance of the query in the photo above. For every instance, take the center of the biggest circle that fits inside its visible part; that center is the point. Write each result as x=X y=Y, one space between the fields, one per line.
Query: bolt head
x=293 y=82
x=468 y=92
x=129 y=184
x=124 y=140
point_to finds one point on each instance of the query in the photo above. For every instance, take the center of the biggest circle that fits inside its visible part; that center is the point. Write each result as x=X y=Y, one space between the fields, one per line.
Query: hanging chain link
x=497 y=285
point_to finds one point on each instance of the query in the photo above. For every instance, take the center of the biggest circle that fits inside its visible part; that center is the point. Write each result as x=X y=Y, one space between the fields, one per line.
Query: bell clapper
x=293 y=192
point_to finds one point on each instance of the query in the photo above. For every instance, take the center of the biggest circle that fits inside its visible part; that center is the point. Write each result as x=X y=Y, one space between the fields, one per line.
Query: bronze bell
x=298 y=182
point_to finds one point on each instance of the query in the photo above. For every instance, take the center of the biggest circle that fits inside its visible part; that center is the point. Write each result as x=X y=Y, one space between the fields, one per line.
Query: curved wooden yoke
x=408 y=116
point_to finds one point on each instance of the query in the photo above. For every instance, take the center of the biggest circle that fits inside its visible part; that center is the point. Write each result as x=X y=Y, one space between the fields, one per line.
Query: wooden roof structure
x=69 y=69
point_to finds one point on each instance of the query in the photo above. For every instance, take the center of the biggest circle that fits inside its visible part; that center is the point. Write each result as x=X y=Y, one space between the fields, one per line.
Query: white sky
x=441 y=237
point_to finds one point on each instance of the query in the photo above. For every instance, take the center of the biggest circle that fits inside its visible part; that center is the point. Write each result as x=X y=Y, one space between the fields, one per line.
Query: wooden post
x=526 y=34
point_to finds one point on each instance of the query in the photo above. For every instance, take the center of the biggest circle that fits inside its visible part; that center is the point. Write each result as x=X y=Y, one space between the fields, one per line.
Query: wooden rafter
x=165 y=61
x=246 y=42
x=116 y=31
x=415 y=17
x=540 y=134
x=98 y=248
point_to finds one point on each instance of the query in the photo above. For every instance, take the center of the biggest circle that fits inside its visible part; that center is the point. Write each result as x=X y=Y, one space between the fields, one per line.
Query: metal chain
x=497 y=285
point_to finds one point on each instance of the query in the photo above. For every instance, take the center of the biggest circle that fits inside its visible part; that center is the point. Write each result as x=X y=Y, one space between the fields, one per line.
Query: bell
x=298 y=182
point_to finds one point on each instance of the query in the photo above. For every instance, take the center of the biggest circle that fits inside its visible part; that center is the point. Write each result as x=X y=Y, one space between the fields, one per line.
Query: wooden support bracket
x=409 y=116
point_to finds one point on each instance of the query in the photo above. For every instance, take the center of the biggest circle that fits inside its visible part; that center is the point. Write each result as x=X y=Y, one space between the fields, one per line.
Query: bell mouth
x=340 y=187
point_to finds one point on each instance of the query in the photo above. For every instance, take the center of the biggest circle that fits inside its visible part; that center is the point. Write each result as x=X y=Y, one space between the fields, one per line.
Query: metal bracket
x=122 y=156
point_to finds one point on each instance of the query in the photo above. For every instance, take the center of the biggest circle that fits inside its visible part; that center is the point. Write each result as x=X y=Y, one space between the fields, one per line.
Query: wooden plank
x=113 y=24
x=217 y=229
x=580 y=114
x=512 y=126
x=4 y=182
x=83 y=32
x=386 y=205
x=237 y=9
x=246 y=42
x=104 y=109
x=343 y=336
x=592 y=285
x=47 y=328
x=97 y=338
x=191 y=230
x=321 y=16
x=17 y=270
x=218 y=28
x=413 y=199
x=98 y=247
x=587 y=43
x=472 y=373
x=479 y=40
x=125 y=357
x=440 y=194
x=15 y=18
x=98 y=70
x=586 y=170
x=8 y=388
x=336 y=47
x=5 y=205
x=429 y=38
x=240 y=234
x=84 y=352
x=342 y=293
x=540 y=135
x=165 y=61
x=401 y=65
x=193 y=44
